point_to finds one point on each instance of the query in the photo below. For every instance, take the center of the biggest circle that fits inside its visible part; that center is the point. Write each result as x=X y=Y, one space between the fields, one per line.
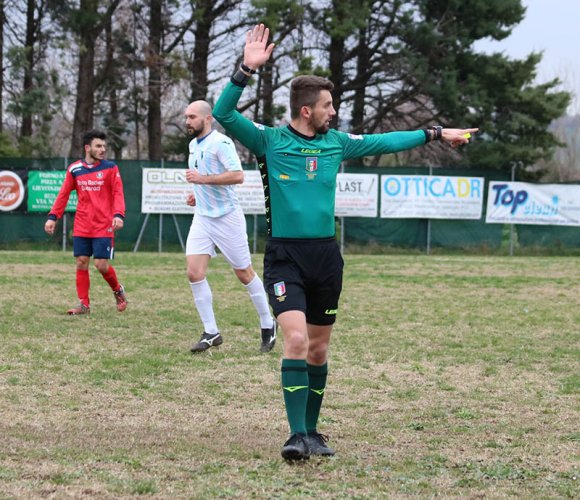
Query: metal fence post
x=429 y=221
x=64 y=217
x=64 y=232
x=512 y=225
x=341 y=218
x=255 y=234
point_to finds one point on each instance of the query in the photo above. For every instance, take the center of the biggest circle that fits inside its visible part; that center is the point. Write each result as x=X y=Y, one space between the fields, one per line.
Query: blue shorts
x=99 y=248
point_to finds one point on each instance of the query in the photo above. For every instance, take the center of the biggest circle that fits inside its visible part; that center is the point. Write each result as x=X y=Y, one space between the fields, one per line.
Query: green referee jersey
x=299 y=172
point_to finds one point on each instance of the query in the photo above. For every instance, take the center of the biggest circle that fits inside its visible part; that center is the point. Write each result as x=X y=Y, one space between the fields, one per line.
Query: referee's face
x=322 y=113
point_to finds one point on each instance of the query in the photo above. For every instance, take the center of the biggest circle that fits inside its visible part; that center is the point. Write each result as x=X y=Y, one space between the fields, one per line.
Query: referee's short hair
x=305 y=91
x=93 y=134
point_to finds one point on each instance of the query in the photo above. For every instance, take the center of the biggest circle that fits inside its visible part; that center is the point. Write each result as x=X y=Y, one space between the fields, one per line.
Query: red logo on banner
x=11 y=191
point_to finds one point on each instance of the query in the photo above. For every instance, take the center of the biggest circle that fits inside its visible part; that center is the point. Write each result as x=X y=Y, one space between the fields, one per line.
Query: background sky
x=551 y=26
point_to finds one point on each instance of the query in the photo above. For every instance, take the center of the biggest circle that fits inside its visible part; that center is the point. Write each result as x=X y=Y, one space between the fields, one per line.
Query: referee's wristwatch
x=240 y=78
x=437 y=132
x=242 y=75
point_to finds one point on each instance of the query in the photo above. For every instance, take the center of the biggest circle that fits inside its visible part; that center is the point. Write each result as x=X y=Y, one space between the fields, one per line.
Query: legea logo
x=11 y=191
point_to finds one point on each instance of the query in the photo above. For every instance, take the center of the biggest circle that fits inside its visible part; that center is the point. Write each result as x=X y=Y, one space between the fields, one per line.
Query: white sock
x=204 y=303
x=258 y=295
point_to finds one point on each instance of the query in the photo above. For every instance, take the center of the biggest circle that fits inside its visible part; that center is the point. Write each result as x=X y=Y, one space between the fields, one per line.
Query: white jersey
x=214 y=154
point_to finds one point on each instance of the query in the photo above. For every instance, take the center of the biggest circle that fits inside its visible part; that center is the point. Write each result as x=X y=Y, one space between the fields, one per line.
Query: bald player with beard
x=219 y=222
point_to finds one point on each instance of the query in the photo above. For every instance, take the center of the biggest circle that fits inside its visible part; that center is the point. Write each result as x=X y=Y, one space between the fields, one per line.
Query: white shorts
x=228 y=233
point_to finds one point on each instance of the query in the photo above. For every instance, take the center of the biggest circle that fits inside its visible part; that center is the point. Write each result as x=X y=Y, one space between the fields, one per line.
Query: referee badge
x=311 y=167
x=280 y=291
x=311 y=163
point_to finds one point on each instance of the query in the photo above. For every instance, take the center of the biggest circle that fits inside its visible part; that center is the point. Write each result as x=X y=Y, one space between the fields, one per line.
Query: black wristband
x=437 y=132
x=247 y=70
x=240 y=79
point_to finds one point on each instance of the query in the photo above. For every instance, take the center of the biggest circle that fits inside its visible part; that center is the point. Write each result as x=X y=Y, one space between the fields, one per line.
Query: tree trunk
x=336 y=59
x=199 y=82
x=114 y=129
x=83 y=117
x=91 y=25
x=27 y=83
x=2 y=21
x=362 y=64
x=155 y=65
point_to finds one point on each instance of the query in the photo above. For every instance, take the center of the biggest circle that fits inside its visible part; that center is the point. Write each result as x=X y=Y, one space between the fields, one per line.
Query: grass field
x=449 y=376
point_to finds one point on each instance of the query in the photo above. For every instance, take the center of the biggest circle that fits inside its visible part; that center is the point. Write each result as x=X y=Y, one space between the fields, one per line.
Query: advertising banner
x=525 y=203
x=431 y=197
x=164 y=191
x=43 y=187
x=357 y=195
x=251 y=193
x=11 y=191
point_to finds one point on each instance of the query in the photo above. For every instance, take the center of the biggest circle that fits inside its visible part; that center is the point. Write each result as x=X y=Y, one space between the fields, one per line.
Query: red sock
x=111 y=278
x=83 y=285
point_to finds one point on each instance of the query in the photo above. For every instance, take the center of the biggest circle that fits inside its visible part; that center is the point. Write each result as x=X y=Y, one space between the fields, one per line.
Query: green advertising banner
x=43 y=187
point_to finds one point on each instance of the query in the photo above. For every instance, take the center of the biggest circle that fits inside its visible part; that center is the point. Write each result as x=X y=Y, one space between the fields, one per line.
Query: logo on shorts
x=280 y=291
x=331 y=312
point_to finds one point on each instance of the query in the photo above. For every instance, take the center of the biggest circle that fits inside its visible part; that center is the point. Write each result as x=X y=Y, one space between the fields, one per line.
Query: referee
x=303 y=266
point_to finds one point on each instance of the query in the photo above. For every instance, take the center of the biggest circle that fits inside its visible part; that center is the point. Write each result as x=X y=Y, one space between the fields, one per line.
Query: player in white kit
x=214 y=169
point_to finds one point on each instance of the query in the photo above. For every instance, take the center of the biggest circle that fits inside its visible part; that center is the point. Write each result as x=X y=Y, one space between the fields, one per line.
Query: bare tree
x=155 y=64
x=90 y=24
x=207 y=13
x=2 y=22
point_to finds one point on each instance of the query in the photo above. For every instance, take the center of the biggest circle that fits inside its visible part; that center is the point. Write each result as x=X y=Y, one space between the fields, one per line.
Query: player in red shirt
x=100 y=212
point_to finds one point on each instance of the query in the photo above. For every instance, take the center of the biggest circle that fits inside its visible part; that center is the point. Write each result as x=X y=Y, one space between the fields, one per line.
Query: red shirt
x=100 y=193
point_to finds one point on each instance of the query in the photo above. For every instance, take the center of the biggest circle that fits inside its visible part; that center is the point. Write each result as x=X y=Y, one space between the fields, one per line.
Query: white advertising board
x=525 y=203
x=251 y=193
x=357 y=195
x=431 y=197
x=164 y=191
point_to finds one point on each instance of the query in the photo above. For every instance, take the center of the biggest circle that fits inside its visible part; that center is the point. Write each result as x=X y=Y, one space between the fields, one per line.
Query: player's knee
x=318 y=352
x=194 y=275
x=102 y=266
x=296 y=341
x=82 y=263
x=245 y=275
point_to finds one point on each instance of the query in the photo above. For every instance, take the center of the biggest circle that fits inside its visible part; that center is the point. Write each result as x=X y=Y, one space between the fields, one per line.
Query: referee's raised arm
x=256 y=53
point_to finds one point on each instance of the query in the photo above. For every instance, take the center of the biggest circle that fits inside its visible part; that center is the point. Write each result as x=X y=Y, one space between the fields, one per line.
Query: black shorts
x=304 y=275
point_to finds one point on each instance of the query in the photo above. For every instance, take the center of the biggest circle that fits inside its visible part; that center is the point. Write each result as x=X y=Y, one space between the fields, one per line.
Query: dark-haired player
x=100 y=212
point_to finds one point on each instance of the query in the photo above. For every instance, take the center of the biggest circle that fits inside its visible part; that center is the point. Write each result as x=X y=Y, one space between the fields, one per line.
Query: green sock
x=295 y=389
x=317 y=378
